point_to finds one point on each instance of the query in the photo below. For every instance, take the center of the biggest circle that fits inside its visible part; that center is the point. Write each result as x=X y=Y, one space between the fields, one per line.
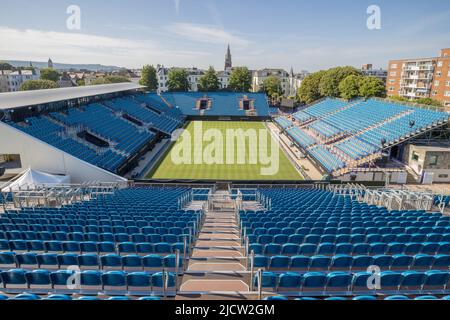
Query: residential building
x=66 y=81
x=290 y=82
x=368 y=71
x=421 y=78
x=10 y=81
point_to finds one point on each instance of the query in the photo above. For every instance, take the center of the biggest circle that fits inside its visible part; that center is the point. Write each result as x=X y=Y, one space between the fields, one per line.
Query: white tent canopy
x=31 y=179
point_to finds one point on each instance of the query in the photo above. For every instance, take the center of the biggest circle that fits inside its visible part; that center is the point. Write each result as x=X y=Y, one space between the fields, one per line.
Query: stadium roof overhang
x=11 y=100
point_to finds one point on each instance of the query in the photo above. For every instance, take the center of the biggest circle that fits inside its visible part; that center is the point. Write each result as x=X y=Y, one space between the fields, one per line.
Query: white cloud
x=85 y=48
x=207 y=34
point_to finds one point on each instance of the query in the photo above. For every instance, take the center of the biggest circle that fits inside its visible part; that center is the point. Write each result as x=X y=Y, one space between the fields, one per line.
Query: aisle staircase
x=217 y=268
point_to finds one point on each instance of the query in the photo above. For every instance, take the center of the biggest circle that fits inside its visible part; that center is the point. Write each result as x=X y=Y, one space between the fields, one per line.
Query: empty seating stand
x=357 y=130
x=126 y=243
x=314 y=244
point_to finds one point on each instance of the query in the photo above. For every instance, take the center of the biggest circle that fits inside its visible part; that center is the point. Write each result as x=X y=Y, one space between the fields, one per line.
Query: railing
x=56 y=195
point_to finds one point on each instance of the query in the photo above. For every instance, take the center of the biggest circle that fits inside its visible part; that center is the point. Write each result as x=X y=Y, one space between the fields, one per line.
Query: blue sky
x=307 y=35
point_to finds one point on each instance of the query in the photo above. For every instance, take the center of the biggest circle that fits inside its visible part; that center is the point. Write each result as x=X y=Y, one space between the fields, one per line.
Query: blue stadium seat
x=396 y=297
x=114 y=282
x=7 y=260
x=111 y=262
x=300 y=263
x=39 y=279
x=59 y=297
x=153 y=262
x=88 y=261
x=14 y=278
x=132 y=262
x=25 y=296
x=314 y=281
x=268 y=280
x=138 y=282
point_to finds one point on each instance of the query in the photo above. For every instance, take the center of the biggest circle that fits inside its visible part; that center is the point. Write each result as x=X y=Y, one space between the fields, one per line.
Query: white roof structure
x=31 y=179
x=11 y=100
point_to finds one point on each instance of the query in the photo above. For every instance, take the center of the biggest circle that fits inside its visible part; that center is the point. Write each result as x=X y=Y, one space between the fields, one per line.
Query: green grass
x=168 y=169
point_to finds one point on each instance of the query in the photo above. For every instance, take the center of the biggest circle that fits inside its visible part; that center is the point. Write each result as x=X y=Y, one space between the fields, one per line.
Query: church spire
x=228 y=61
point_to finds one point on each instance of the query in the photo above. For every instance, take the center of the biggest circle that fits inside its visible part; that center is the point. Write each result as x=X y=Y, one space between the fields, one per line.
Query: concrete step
x=211 y=253
x=220 y=275
x=214 y=285
x=216 y=296
x=216 y=242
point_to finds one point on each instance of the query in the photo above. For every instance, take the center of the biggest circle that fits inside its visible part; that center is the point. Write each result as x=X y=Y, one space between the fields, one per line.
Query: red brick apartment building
x=421 y=78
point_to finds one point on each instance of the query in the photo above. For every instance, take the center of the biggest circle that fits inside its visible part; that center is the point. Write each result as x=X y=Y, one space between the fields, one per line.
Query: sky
x=306 y=35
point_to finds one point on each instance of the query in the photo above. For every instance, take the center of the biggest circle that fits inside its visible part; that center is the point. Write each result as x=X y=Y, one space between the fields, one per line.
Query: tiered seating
x=155 y=102
x=302 y=116
x=52 y=133
x=415 y=122
x=324 y=129
x=328 y=160
x=133 y=108
x=368 y=127
x=283 y=122
x=128 y=138
x=223 y=103
x=314 y=243
x=303 y=139
x=357 y=148
x=364 y=114
x=325 y=107
x=128 y=238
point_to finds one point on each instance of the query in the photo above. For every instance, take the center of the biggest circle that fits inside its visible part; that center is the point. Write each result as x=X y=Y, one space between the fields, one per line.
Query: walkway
x=217 y=266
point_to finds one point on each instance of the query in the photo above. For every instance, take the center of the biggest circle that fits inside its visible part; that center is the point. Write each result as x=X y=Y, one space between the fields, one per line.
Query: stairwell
x=217 y=268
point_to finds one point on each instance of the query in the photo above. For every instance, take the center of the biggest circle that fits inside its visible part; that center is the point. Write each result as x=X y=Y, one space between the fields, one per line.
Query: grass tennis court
x=217 y=150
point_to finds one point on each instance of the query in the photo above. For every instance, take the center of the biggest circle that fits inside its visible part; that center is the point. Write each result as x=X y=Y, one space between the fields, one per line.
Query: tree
x=209 y=81
x=398 y=98
x=110 y=80
x=178 y=80
x=349 y=87
x=371 y=87
x=149 y=78
x=429 y=102
x=38 y=85
x=329 y=84
x=5 y=66
x=240 y=80
x=116 y=79
x=272 y=87
x=49 y=74
x=309 y=89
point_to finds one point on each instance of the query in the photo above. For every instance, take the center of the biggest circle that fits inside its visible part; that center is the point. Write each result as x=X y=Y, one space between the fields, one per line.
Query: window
x=447 y=83
x=391 y=88
x=433 y=160
x=447 y=93
x=392 y=81
x=438 y=74
x=439 y=64
x=393 y=74
x=415 y=157
x=394 y=66
x=443 y=176
x=436 y=83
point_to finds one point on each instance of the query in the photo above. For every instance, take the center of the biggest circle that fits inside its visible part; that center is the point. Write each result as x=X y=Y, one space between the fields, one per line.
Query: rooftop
x=10 y=100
